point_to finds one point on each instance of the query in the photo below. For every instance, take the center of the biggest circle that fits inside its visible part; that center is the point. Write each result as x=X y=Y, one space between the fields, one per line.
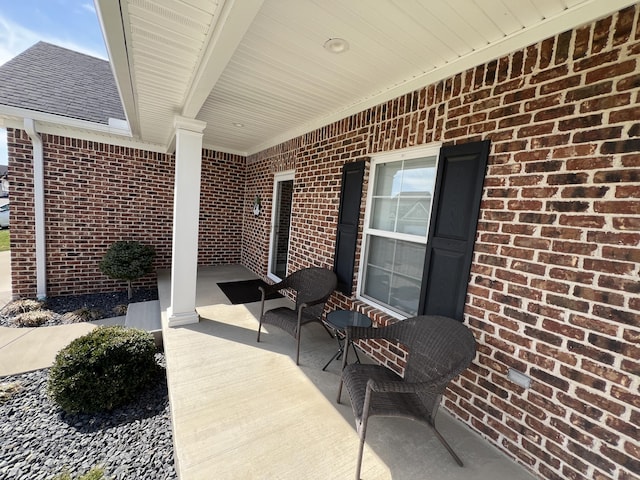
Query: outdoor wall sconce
x=257 y=205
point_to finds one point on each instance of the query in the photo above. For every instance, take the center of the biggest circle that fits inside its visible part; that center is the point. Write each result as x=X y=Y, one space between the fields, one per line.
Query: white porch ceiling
x=261 y=63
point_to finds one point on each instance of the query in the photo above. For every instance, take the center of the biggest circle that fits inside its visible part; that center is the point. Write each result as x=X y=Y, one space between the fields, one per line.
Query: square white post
x=186 y=219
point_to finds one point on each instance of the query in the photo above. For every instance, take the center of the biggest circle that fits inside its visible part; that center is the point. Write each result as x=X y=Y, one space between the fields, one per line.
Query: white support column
x=186 y=214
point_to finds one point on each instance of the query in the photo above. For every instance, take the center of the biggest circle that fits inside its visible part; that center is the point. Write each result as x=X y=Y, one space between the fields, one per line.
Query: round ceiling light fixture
x=239 y=125
x=336 y=45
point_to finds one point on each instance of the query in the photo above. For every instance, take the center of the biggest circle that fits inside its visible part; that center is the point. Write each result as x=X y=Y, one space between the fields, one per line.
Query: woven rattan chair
x=439 y=348
x=313 y=287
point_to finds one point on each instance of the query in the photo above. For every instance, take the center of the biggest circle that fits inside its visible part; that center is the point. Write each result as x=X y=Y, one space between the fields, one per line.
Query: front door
x=280 y=225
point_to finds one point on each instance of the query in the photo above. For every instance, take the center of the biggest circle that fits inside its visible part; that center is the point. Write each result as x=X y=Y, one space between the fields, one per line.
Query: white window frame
x=431 y=150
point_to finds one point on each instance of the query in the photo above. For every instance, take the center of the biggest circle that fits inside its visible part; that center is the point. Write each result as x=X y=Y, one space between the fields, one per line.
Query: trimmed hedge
x=105 y=369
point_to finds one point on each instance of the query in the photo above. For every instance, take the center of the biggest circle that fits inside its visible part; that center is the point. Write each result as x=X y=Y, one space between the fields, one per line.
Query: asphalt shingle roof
x=51 y=79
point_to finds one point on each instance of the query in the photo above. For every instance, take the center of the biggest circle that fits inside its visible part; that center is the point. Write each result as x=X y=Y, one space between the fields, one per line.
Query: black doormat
x=245 y=291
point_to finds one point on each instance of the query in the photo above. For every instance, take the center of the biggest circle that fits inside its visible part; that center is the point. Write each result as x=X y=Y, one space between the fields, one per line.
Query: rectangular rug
x=245 y=291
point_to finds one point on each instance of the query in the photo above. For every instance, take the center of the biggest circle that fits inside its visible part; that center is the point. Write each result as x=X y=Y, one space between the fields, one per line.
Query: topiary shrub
x=127 y=260
x=107 y=368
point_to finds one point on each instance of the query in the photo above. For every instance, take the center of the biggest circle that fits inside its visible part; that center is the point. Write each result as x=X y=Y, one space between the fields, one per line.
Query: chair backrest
x=312 y=284
x=439 y=348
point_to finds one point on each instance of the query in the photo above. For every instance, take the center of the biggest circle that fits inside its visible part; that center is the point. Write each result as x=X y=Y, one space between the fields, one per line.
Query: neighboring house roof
x=51 y=79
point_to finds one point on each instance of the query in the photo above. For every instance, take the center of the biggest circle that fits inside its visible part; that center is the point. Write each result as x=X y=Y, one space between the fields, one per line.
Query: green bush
x=107 y=368
x=127 y=260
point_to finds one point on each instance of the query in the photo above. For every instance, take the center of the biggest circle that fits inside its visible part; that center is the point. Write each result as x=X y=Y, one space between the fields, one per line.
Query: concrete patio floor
x=244 y=410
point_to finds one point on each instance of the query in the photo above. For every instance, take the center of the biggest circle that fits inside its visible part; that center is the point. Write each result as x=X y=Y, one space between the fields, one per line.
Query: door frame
x=279 y=177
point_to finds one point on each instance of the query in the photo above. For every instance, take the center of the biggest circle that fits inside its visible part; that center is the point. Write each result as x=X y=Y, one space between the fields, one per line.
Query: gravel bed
x=104 y=303
x=39 y=441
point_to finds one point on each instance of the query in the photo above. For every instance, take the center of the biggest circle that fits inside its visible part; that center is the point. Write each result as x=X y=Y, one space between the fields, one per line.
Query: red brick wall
x=555 y=283
x=96 y=194
x=221 y=208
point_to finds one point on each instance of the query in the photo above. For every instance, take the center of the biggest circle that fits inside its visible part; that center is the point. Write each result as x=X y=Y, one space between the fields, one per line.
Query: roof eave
x=13 y=117
x=111 y=17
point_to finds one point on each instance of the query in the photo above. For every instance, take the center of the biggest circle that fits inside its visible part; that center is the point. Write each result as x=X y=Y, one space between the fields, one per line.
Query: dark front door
x=281 y=225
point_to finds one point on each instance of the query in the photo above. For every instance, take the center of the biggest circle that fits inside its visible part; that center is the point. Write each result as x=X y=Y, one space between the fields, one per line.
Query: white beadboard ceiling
x=261 y=63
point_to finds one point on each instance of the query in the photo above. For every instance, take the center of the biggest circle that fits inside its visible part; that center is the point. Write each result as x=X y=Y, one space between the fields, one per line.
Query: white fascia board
x=62 y=120
x=218 y=148
x=113 y=18
x=573 y=17
x=84 y=131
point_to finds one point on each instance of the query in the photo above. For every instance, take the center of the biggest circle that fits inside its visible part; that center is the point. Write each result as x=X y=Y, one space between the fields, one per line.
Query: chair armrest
x=267 y=289
x=405 y=387
x=310 y=303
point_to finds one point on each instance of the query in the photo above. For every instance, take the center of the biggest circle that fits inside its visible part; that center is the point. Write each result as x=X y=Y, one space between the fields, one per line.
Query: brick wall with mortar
x=555 y=283
x=96 y=194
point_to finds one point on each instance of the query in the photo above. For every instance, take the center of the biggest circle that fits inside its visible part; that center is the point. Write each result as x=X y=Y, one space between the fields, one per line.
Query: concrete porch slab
x=244 y=410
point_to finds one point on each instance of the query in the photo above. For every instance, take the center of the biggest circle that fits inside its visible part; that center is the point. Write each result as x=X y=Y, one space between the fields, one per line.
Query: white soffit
x=268 y=71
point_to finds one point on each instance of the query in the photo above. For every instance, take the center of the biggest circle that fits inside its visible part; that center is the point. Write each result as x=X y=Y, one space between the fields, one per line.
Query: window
x=396 y=227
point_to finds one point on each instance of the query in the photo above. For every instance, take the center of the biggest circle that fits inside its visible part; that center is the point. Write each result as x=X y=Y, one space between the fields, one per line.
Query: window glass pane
x=405 y=295
x=402 y=196
x=393 y=273
x=409 y=259
x=413 y=216
x=376 y=284
x=383 y=215
x=387 y=175
x=381 y=252
x=418 y=175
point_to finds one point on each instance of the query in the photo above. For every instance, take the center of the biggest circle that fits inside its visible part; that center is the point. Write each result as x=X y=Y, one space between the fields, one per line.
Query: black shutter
x=454 y=220
x=348 y=219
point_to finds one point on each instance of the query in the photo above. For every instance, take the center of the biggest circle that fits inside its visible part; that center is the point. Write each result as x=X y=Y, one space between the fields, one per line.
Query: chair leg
x=339 y=390
x=298 y=348
x=362 y=431
x=259 y=330
x=446 y=445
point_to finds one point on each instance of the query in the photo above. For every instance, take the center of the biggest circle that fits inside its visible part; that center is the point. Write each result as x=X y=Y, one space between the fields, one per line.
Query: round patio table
x=338 y=321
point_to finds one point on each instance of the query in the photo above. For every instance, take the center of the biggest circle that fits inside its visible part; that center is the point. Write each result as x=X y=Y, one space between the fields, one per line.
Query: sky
x=71 y=24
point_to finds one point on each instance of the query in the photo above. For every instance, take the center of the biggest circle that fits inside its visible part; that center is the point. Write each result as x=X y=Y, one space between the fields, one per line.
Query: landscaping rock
x=90 y=307
x=40 y=441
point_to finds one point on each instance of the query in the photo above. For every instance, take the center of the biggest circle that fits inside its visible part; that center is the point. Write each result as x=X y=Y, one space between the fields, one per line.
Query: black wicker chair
x=439 y=348
x=313 y=287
